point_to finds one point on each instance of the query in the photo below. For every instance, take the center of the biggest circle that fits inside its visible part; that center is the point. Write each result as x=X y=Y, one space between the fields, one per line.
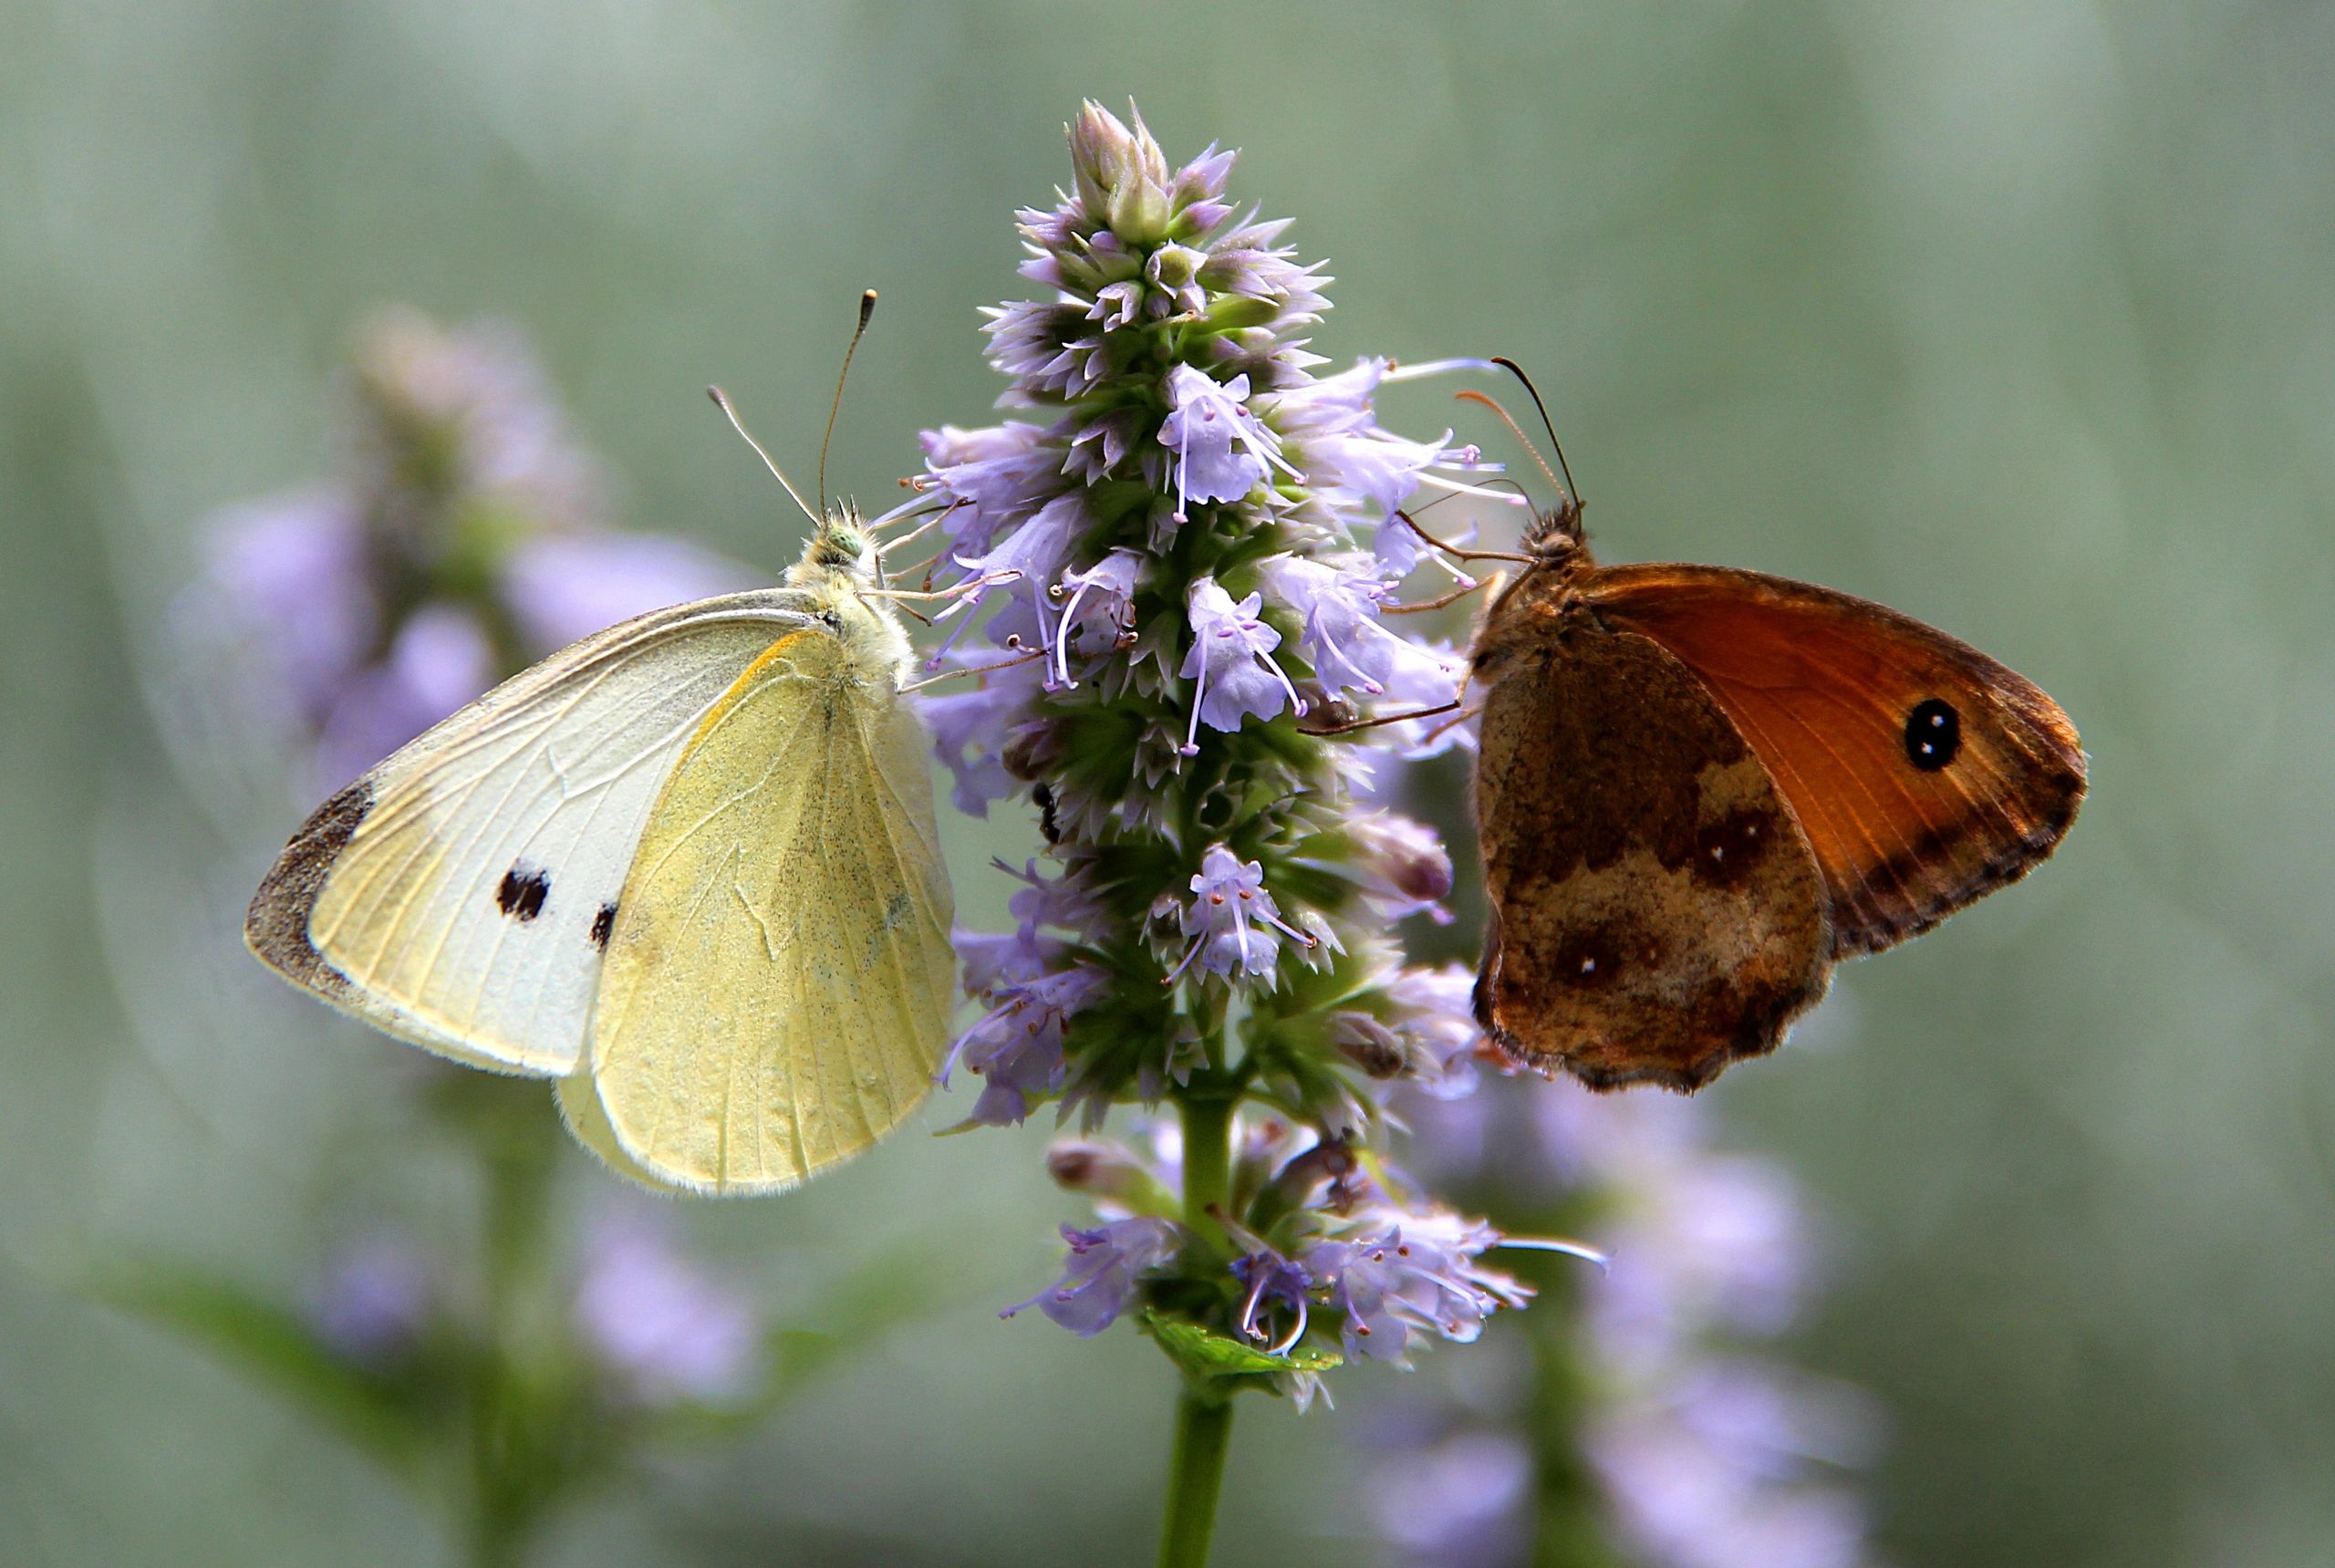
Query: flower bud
x=1122 y=175
x=1403 y=854
x=1104 y=1170
x=1368 y=1044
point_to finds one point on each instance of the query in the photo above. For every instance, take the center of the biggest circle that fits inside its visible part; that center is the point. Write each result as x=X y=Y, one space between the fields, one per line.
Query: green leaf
x=1203 y=1353
x=277 y=1349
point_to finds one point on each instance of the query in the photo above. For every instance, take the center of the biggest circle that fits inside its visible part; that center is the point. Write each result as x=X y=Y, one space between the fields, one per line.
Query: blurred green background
x=2020 y=318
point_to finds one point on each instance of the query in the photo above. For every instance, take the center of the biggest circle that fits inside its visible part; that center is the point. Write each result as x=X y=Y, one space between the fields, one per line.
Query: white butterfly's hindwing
x=460 y=895
x=780 y=979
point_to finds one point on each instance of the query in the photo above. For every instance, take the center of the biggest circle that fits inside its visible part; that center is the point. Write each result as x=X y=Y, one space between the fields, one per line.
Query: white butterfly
x=687 y=866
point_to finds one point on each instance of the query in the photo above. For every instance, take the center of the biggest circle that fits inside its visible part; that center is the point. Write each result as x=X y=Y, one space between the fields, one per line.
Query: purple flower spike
x=1231 y=660
x=1195 y=532
x=1100 y=1277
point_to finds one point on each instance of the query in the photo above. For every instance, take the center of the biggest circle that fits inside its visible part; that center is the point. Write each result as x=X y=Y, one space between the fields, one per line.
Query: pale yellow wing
x=777 y=992
x=458 y=895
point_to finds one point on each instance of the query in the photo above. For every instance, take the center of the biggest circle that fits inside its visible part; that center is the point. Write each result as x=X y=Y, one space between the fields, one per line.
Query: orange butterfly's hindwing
x=1655 y=915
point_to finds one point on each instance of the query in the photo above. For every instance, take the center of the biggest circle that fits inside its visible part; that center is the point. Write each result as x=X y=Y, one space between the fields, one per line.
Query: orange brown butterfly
x=1700 y=788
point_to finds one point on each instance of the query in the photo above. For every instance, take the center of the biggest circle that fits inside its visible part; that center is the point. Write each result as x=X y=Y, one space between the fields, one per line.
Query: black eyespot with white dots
x=521 y=892
x=1933 y=735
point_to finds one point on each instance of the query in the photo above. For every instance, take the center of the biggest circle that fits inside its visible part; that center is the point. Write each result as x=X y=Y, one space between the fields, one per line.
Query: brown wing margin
x=1823 y=686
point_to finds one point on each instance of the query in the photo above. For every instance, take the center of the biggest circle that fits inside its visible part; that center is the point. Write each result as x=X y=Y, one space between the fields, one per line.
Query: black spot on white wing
x=521 y=892
x=604 y=925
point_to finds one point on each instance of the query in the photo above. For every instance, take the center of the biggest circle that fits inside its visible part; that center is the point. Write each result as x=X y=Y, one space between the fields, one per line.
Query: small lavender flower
x=1105 y=1265
x=1231 y=664
x=1234 y=924
x=1017 y=1045
x=1222 y=451
x=1349 y=647
x=1388 y=1284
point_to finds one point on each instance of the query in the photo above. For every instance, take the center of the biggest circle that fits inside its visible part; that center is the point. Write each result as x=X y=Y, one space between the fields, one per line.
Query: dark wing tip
x=276 y=927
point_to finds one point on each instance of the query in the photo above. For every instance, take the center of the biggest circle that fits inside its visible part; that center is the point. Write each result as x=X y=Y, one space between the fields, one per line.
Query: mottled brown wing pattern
x=1655 y=914
x=1922 y=773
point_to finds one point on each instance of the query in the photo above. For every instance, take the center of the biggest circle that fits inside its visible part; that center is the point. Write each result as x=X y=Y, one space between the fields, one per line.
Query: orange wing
x=1923 y=773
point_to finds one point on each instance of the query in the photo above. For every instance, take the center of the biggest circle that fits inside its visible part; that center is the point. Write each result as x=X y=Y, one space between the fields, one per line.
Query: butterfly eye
x=1933 y=735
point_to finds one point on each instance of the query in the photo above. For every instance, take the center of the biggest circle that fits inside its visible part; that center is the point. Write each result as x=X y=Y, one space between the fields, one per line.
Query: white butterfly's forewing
x=460 y=895
x=778 y=990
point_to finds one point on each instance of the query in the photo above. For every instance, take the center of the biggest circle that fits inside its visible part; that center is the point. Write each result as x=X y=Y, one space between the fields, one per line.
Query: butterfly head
x=1555 y=537
x=842 y=544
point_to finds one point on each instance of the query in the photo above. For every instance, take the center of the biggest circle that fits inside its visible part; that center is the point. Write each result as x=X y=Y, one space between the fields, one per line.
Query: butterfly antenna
x=867 y=309
x=1472 y=396
x=722 y=400
x=1516 y=370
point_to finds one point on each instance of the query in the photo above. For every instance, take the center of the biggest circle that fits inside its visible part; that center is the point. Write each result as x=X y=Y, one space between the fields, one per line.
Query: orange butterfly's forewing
x=1922 y=773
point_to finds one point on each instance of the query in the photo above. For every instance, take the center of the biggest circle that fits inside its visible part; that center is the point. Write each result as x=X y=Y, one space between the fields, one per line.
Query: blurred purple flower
x=439 y=660
x=661 y=1326
x=1458 y=1500
x=562 y=587
x=1709 y=1456
x=376 y=1299
x=1681 y=1503
x=466 y=510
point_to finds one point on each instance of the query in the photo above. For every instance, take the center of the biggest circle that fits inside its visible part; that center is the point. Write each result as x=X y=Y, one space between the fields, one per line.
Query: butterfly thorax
x=830 y=584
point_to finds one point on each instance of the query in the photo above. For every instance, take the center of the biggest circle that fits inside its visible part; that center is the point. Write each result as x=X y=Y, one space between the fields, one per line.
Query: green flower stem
x=1203 y=1419
x=1569 y=1523
x=513 y=1461
x=1195 y=1475
x=1208 y=1153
